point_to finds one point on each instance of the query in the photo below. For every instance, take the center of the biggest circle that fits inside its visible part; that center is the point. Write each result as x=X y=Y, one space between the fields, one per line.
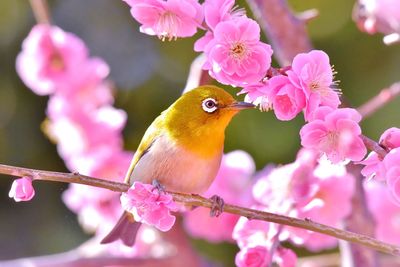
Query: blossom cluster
x=80 y=118
x=386 y=169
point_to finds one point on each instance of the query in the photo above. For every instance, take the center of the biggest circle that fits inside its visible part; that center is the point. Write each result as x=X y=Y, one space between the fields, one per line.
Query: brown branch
x=374 y=146
x=41 y=11
x=196 y=200
x=377 y=102
x=286 y=32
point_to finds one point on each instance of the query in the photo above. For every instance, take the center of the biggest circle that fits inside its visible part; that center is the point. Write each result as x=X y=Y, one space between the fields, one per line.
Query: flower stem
x=41 y=11
x=196 y=200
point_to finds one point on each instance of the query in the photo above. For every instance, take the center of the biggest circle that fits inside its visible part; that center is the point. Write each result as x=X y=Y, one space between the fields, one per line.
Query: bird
x=181 y=149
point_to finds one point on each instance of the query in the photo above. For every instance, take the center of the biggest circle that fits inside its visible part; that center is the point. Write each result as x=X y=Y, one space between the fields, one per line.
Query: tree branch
x=377 y=102
x=41 y=11
x=286 y=32
x=196 y=200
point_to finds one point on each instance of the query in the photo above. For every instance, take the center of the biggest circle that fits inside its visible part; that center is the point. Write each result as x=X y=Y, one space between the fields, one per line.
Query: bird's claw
x=217 y=206
x=158 y=186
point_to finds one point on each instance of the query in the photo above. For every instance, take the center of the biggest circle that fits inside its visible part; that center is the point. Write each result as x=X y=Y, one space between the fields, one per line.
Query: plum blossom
x=258 y=94
x=235 y=55
x=232 y=183
x=391 y=171
x=374 y=167
x=22 y=189
x=335 y=133
x=384 y=210
x=149 y=206
x=51 y=57
x=313 y=73
x=287 y=100
x=252 y=257
x=216 y=11
x=168 y=19
x=374 y=16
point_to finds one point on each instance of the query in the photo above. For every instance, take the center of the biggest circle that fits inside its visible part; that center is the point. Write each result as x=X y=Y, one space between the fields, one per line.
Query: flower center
x=238 y=51
x=56 y=62
x=167 y=26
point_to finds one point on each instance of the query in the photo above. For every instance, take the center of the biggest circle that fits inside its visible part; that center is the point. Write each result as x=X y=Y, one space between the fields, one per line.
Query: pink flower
x=258 y=94
x=287 y=100
x=149 y=206
x=167 y=19
x=236 y=56
x=335 y=133
x=97 y=209
x=385 y=212
x=329 y=204
x=378 y=16
x=392 y=173
x=312 y=72
x=50 y=57
x=390 y=138
x=22 y=189
x=285 y=257
x=232 y=183
x=252 y=257
x=216 y=11
x=251 y=233
x=374 y=168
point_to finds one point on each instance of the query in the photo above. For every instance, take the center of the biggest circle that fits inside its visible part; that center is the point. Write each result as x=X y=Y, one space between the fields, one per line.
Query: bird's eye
x=209 y=105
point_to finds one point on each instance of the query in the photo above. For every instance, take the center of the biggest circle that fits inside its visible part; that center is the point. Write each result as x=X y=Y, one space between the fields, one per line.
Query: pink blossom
x=285 y=257
x=50 y=57
x=250 y=233
x=374 y=168
x=232 y=183
x=392 y=173
x=236 y=56
x=149 y=206
x=216 y=11
x=312 y=72
x=287 y=100
x=252 y=257
x=22 y=189
x=390 y=138
x=330 y=204
x=335 y=133
x=258 y=94
x=385 y=212
x=167 y=19
x=98 y=209
x=378 y=16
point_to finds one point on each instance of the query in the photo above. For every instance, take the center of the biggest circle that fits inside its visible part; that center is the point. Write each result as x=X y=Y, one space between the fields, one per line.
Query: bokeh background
x=149 y=75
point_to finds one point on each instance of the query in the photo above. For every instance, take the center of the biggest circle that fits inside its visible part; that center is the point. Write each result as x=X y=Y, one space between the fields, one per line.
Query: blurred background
x=149 y=75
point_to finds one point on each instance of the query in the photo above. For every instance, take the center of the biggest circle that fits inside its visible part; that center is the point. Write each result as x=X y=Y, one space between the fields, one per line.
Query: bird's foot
x=158 y=186
x=217 y=206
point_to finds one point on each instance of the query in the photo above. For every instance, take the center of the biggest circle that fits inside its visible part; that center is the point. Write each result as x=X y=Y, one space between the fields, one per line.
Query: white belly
x=176 y=168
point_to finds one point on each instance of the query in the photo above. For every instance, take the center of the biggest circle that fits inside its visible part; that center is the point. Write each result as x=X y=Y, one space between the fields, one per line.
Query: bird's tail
x=125 y=229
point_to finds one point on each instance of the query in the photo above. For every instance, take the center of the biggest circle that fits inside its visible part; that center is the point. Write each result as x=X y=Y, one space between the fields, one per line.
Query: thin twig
x=286 y=32
x=196 y=200
x=374 y=146
x=377 y=102
x=41 y=11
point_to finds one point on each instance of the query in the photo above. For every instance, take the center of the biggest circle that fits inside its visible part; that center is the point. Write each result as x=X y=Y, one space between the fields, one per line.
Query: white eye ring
x=209 y=105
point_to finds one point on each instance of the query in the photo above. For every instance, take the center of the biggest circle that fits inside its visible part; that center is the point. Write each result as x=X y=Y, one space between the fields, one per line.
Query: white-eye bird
x=182 y=148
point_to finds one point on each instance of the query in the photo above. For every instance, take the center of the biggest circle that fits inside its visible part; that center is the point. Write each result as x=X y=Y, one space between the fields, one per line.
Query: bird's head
x=201 y=115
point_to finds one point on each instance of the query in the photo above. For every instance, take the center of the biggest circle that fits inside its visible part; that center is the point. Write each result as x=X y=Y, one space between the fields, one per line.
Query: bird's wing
x=150 y=136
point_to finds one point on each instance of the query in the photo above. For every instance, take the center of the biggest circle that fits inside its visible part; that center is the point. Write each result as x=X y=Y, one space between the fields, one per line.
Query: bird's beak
x=241 y=105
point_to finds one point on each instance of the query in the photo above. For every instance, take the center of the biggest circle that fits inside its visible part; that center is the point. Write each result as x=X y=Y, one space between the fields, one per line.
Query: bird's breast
x=176 y=168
